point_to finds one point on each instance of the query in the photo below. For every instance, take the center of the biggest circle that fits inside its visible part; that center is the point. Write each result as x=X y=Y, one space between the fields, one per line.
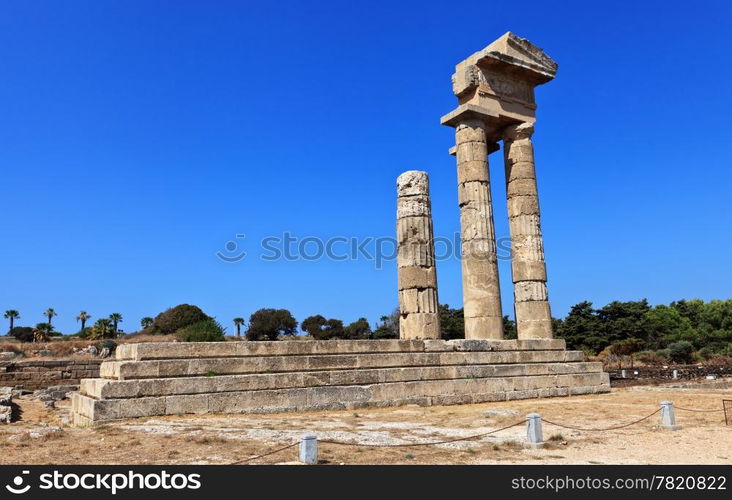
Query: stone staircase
x=149 y=379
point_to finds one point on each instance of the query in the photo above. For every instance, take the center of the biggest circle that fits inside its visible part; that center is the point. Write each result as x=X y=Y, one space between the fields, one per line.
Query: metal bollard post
x=668 y=416
x=309 y=449
x=534 y=433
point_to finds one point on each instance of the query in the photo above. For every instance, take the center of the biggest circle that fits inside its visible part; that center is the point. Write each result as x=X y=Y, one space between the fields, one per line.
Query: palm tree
x=83 y=317
x=42 y=332
x=238 y=322
x=146 y=322
x=49 y=313
x=12 y=315
x=115 y=318
x=102 y=329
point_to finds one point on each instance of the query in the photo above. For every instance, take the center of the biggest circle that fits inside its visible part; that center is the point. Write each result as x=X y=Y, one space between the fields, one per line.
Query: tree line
x=682 y=330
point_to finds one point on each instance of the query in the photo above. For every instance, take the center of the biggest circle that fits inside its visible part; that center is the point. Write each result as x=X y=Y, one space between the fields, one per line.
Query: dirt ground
x=41 y=437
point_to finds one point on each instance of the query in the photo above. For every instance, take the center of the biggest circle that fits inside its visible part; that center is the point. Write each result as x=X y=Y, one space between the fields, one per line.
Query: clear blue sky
x=137 y=138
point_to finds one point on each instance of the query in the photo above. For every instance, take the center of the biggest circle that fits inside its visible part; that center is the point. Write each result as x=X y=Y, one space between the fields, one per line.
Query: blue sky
x=138 y=138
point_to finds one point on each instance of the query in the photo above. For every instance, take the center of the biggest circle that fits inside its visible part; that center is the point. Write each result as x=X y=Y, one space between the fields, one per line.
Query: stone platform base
x=264 y=377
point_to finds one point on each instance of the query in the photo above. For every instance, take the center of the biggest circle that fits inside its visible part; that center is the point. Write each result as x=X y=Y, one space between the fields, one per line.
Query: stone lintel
x=516 y=56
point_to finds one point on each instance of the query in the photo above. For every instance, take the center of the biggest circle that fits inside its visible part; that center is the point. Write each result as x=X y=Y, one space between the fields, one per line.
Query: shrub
x=680 y=352
x=705 y=353
x=22 y=333
x=207 y=330
x=270 y=324
x=175 y=318
x=108 y=344
x=650 y=358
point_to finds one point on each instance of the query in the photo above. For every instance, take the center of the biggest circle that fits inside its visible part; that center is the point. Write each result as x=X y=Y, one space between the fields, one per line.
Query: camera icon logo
x=17 y=487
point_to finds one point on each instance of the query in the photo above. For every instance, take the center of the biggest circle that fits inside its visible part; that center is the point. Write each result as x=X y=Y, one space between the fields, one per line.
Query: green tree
x=22 y=333
x=146 y=322
x=12 y=315
x=681 y=352
x=665 y=324
x=103 y=329
x=624 y=320
x=313 y=325
x=238 y=322
x=116 y=319
x=509 y=328
x=323 y=329
x=359 y=329
x=452 y=323
x=175 y=318
x=389 y=326
x=207 y=330
x=83 y=317
x=582 y=329
x=49 y=313
x=270 y=324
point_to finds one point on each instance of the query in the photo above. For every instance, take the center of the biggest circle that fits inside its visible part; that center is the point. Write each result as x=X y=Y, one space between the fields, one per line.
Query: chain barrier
x=246 y=460
x=603 y=429
x=403 y=445
x=473 y=437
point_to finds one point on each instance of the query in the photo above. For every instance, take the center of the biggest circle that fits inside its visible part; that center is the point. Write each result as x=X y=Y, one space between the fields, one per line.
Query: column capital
x=518 y=131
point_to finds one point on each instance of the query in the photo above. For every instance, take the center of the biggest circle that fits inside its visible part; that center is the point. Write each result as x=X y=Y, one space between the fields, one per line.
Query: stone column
x=418 y=304
x=533 y=316
x=481 y=291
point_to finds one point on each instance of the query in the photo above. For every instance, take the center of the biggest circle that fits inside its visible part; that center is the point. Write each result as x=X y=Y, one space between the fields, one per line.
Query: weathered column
x=481 y=291
x=418 y=304
x=533 y=315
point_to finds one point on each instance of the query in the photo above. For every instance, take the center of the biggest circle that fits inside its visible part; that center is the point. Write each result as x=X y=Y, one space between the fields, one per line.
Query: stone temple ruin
x=495 y=91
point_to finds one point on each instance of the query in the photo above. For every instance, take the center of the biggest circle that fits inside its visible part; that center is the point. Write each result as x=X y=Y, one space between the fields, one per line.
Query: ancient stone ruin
x=495 y=90
x=417 y=275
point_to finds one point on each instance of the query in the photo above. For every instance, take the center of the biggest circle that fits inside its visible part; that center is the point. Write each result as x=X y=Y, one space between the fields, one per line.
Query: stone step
x=87 y=410
x=123 y=370
x=111 y=389
x=181 y=350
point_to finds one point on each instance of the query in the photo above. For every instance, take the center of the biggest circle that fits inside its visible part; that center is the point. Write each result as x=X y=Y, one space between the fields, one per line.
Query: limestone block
x=472 y=151
x=415 y=255
x=413 y=183
x=484 y=328
x=528 y=271
x=521 y=187
x=188 y=403
x=535 y=310
x=477 y=307
x=470 y=131
x=525 y=225
x=413 y=206
x=474 y=193
x=523 y=205
x=520 y=170
x=414 y=230
x=477 y=250
x=525 y=291
x=468 y=171
x=420 y=325
x=417 y=277
x=476 y=222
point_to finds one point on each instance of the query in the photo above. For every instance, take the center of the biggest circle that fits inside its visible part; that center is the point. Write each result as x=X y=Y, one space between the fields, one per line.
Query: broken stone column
x=533 y=315
x=418 y=304
x=481 y=291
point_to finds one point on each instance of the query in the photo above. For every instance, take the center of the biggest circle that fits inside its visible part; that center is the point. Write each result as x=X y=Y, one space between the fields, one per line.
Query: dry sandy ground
x=40 y=437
